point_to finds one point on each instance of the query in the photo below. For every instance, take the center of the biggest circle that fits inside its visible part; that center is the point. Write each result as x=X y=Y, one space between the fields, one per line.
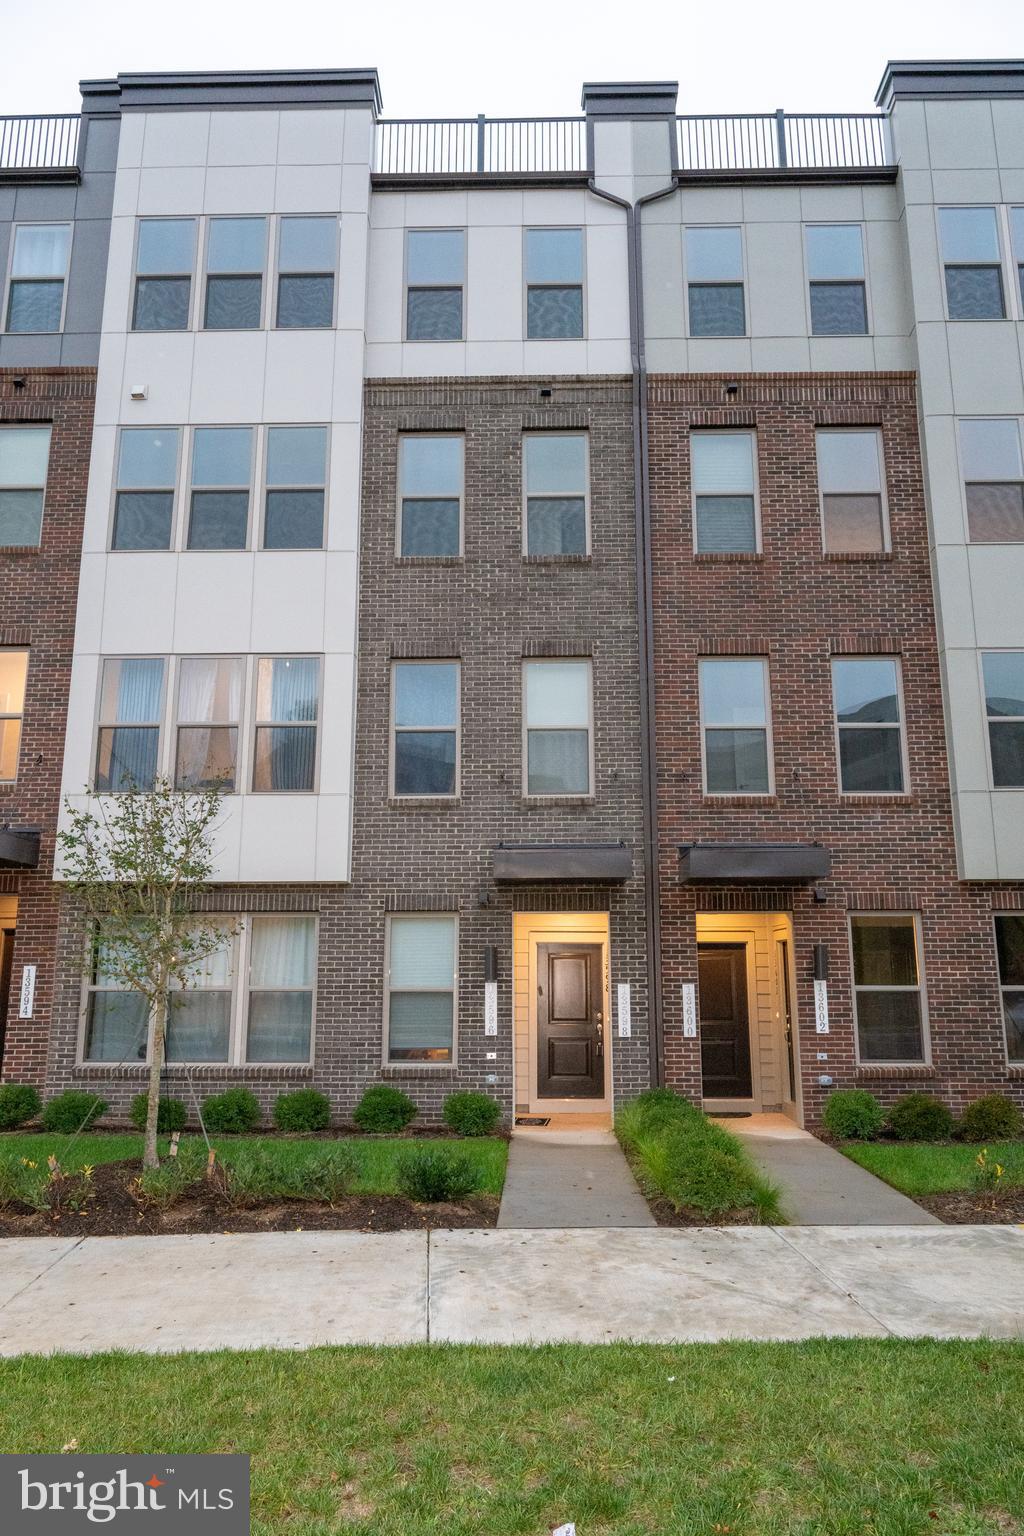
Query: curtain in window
x=283 y=951
x=209 y=689
x=293 y=689
x=138 y=690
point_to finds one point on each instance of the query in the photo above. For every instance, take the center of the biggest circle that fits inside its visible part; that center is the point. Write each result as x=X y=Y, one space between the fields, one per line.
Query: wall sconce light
x=819 y=894
x=732 y=388
x=490 y=962
x=821 y=962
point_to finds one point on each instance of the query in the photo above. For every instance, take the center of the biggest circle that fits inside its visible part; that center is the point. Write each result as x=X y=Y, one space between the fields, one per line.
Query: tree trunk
x=150 y=1159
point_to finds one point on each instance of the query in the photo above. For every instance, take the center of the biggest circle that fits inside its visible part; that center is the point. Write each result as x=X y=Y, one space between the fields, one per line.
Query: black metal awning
x=562 y=861
x=19 y=848
x=753 y=861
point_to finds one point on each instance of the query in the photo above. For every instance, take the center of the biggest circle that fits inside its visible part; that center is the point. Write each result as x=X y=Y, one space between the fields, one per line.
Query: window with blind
x=724 y=492
x=39 y=269
x=555 y=484
x=24 y=461
x=850 y=487
x=131 y=708
x=888 y=995
x=430 y=481
x=287 y=710
x=558 y=727
x=993 y=472
x=421 y=983
x=209 y=708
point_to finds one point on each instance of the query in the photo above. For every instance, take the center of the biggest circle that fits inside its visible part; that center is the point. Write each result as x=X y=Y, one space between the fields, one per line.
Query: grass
x=929 y=1168
x=826 y=1438
x=378 y=1160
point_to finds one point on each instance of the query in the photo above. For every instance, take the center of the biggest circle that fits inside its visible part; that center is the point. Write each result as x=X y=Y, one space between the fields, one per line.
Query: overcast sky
x=454 y=58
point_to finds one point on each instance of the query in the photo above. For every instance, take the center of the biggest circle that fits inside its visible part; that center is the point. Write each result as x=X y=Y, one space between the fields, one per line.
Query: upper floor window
x=39 y=269
x=421 y=986
x=430 y=478
x=554 y=283
x=973 y=263
x=1003 y=672
x=287 y=709
x=13 y=673
x=850 y=485
x=735 y=725
x=24 y=458
x=128 y=740
x=866 y=693
x=296 y=488
x=147 y=472
x=888 y=996
x=555 y=488
x=221 y=479
x=558 y=727
x=209 y=709
x=1017 y=236
x=425 y=731
x=236 y=253
x=724 y=492
x=435 y=261
x=835 y=272
x=1010 y=955
x=306 y=262
x=714 y=281
x=164 y=262
x=993 y=470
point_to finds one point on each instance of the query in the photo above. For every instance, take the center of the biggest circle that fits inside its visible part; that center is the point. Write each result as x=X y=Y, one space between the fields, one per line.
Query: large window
x=236 y=254
x=866 y=693
x=287 y=710
x=307 y=256
x=835 y=273
x=1010 y=955
x=425 y=748
x=209 y=709
x=282 y=967
x=555 y=488
x=973 y=263
x=724 y=492
x=887 y=987
x=430 y=480
x=199 y=1016
x=558 y=727
x=434 y=273
x=221 y=478
x=714 y=281
x=735 y=726
x=421 y=979
x=131 y=705
x=554 y=284
x=13 y=672
x=850 y=485
x=164 y=262
x=24 y=458
x=1003 y=672
x=147 y=472
x=993 y=470
x=39 y=269
x=296 y=485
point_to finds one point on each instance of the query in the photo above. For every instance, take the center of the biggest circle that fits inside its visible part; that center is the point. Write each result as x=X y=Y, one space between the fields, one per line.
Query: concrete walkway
x=296 y=1289
x=570 y=1179
x=819 y=1186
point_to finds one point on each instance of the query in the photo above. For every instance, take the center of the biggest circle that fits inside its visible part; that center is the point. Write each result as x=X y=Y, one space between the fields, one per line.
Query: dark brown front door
x=570 y=1022
x=6 y=966
x=724 y=1021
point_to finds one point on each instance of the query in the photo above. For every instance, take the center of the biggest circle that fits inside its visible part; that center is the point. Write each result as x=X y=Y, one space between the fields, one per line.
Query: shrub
x=24 y=1181
x=170 y=1114
x=920 y=1117
x=255 y=1174
x=72 y=1111
x=166 y=1184
x=992 y=1118
x=18 y=1103
x=231 y=1113
x=697 y=1164
x=383 y=1109
x=853 y=1114
x=471 y=1114
x=304 y=1110
x=650 y=1112
x=432 y=1174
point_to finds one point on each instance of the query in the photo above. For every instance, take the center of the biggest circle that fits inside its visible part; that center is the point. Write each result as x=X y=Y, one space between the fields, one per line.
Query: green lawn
x=377 y=1159
x=828 y=1438
x=923 y=1168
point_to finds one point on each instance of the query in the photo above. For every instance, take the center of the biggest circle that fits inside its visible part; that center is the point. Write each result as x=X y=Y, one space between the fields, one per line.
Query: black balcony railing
x=781 y=141
x=47 y=143
x=481 y=146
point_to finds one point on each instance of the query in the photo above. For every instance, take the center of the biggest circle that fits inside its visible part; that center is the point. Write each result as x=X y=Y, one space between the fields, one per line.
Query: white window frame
x=996 y=650
x=204 y=238
x=183 y=455
x=168 y=686
x=733 y=794
x=263 y=485
x=404 y=1062
x=581 y=229
x=1004 y=987
x=879 y=436
x=17 y=650
x=197 y=248
x=1002 y=241
x=962 y=469
x=401 y=498
x=524 y=513
x=591 y=792
x=899 y=725
x=825 y=281
x=424 y=661
x=31 y=426
x=279 y=272
x=716 y=283
x=921 y=989
x=433 y=229
x=177 y=724
x=69 y=225
x=727 y=554
x=181 y=544
x=256 y=722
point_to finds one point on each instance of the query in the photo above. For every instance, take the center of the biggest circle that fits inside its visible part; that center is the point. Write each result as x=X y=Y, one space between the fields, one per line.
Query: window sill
x=422 y=802
x=728 y=556
x=857 y=556
x=421 y=1069
x=201 y=1071
x=20 y=549
x=739 y=800
x=430 y=560
x=894 y=1069
x=880 y=799
x=537 y=802
x=557 y=559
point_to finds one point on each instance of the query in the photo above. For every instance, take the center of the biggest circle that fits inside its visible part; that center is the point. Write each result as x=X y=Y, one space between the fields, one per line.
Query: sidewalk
x=292 y=1290
x=570 y=1179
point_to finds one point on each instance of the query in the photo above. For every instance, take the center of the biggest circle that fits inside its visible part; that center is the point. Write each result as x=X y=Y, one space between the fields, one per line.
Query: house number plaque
x=625 y=1011
x=490 y=1007
x=821 y=1007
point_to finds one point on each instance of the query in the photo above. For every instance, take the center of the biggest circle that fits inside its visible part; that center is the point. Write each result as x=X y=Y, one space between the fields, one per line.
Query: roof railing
x=781 y=141
x=47 y=142
x=497 y=146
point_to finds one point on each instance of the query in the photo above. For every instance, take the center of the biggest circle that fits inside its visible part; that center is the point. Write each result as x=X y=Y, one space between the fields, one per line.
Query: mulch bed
x=960 y=1206
x=115 y=1207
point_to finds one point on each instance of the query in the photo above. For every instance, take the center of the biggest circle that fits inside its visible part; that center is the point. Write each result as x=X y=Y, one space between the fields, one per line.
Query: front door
x=570 y=1022
x=724 y=1021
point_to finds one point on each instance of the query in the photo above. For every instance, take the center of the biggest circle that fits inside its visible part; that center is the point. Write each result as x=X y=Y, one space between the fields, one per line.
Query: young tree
x=135 y=864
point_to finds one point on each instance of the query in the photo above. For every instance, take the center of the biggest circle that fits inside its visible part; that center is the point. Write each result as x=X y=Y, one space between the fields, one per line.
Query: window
x=835 y=271
x=147 y=471
x=430 y=476
x=209 y=707
x=425 y=752
x=724 y=501
x=714 y=280
x=287 y=708
x=306 y=260
x=39 y=266
x=24 y=457
x=993 y=470
x=163 y=282
x=422 y=952
x=554 y=283
x=558 y=727
x=888 y=999
x=1003 y=672
x=435 y=262
x=199 y=1016
x=555 y=485
x=850 y=486
x=128 y=745
x=296 y=478
x=117 y=1022
x=866 y=691
x=734 y=717
x=13 y=672
x=973 y=265
x=1010 y=954
x=221 y=476
x=235 y=256
x=1017 y=235
x=281 y=970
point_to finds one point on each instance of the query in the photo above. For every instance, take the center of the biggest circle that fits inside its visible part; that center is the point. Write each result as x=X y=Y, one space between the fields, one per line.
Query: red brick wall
x=798 y=607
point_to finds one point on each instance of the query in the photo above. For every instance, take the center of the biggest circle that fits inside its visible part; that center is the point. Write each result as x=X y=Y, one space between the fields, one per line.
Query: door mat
x=732 y=1114
x=533 y=1119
